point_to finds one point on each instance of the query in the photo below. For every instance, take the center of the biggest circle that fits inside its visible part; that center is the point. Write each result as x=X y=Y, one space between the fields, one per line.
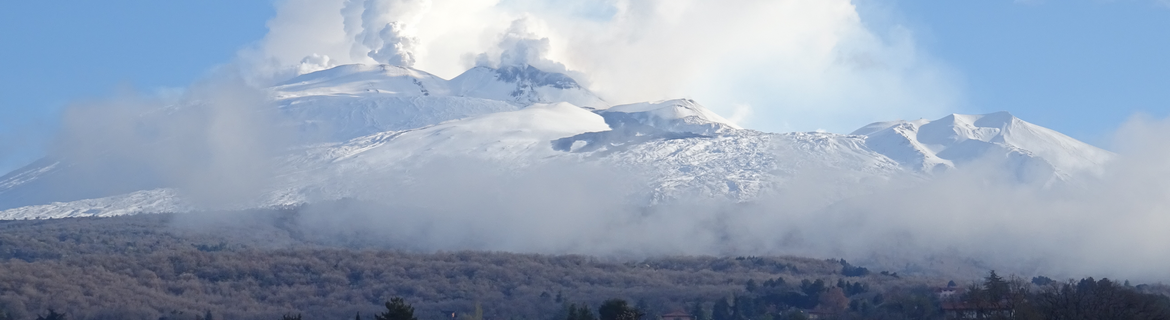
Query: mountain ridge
x=957 y=139
x=358 y=121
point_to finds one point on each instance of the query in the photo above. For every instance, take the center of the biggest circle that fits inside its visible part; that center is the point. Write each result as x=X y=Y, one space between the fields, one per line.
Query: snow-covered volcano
x=350 y=101
x=1033 y=152
x=368 y=126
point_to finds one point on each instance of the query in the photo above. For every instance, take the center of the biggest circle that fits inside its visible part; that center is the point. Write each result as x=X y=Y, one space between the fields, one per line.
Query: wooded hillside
x=255 y=265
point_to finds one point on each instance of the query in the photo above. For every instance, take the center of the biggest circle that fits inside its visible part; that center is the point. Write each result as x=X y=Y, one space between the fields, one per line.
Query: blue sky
x=55 y=52
x=1081 y=67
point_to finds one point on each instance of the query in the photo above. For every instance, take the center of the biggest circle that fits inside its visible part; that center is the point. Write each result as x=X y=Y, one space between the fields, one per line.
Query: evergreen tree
x=742 y=309
x=722 y=310
x=996 y=287
x=572 y=312
x=584 y=313
x=618 y=309
x=852 y=271
x=397 y=309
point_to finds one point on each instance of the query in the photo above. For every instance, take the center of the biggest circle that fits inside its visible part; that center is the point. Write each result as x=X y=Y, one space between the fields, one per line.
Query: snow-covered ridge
x=678 y=114
x=952 y=141
x=364 y=123
x=362 y=79
x=145 y=201
x=350 y=101
x=523 y=85
x=648 y=121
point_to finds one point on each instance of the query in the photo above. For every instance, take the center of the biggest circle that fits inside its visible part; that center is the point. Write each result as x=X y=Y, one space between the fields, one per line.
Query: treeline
x=259 y=267
x=1042 y=298
x=993 y=298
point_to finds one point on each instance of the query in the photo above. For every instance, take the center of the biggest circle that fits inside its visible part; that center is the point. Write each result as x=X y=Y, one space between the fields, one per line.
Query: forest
x=257 y=265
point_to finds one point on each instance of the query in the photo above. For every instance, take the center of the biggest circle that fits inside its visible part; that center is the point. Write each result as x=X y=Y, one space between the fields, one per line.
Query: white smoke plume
x=812 y=60
x=314 y=63
x=519 y=45
x=382 y=29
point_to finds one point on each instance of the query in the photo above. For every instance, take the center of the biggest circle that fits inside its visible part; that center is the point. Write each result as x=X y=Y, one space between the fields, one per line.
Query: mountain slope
x=366 y=128
x=350 y=101
x=1035 y=153
x=523 y=85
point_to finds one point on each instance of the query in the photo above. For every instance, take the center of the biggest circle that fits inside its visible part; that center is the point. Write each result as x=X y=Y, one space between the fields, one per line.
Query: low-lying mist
x=217 y=141
x=956 y=223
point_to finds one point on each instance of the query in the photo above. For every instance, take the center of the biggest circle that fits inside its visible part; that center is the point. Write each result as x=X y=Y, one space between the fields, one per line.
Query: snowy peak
x=638 y=123
x=524 y=85
x=679 y=115
x=957 y=139
x=536 y=78
x=358 y=79
x=355 y=100
x=677 y=109
x=957 y=128
x=898 y=140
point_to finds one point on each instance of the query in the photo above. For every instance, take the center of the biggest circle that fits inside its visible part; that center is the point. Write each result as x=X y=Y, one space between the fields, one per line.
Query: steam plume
x=381 y=29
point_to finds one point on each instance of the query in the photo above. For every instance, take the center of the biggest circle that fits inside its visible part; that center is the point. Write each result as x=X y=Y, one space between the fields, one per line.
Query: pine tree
x=742 y=308
x=584 y=313
x=996 y=287
x=397 y=309
x=618 y=309
x=572 y=312
x=722 y=310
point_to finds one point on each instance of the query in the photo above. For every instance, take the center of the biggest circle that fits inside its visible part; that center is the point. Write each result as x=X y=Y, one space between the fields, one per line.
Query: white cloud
x=383 y=30
x=801 y=64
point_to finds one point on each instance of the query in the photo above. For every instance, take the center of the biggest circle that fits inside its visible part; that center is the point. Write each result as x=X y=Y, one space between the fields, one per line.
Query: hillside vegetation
x=265 y=265
x=257 y=265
